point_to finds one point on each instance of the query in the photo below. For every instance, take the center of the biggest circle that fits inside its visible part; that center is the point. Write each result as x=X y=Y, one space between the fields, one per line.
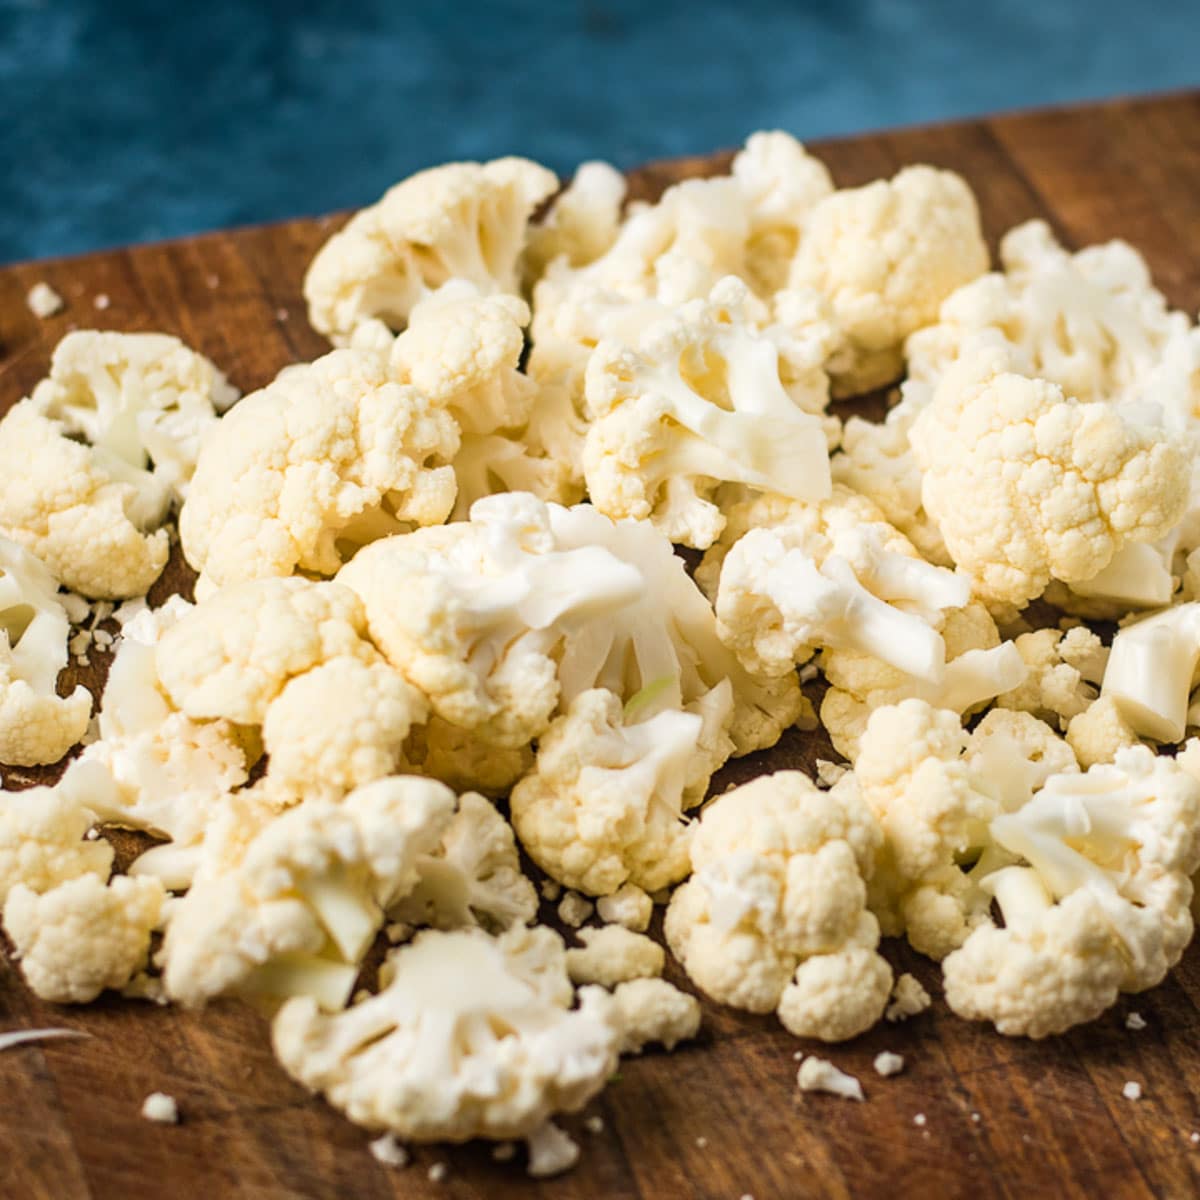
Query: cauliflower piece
x=290 y=903
x=82 y=936
x=37 y=725
x=653 y=1010
x=339 y=726
x=328 y=457
x=462 y=761
x=144 y=399
x=697 y=401
x=611 y=955
x=457 y=221
x=43 y=301
x=581 y=224
x=887 y=255
x=469 y=1037
x=629 y=906
x=1100 y=732
x=774 y=916
x=488 y=603
x=1058 y=486
x=234 y=653
x=820 y=1075
x=91 y=517
x=909 y=999
x=604 y=803
x=1062 y=667
x=473 y=877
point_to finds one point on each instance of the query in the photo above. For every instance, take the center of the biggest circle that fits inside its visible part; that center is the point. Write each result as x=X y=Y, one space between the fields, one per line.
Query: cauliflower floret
x=458 y=221
x=462 y=761
x=774 y=917
x=581 y=224
x=290 y=903
x=86 y=513
x=653 y=1010
x=1057 y=486
x=473 y=877
x=612 y=954
x=37 y=725
x=604 y=804
x=83 y=936
x=1099 y=732
x=697 y=401
x=233 y=654
x=469 y=1037
x=887 y=255
x=331 y=455
x=1062 y=667
x=143 y=398
x=630 y=907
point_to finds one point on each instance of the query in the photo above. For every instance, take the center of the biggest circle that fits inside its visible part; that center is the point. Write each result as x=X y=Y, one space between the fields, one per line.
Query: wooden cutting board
x=973 y=1115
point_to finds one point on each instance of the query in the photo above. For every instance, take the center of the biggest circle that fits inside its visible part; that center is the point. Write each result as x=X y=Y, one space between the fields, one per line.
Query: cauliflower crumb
x=976 y=1118
x=701 y=1142
x=888 y=1063
x=551 y=1151
x=1194 y=1138
x=503 y=1152
x=551 y=889
x=573 y=910
x=908 y=999
x=820 y=1075
x=43 y=301
x=1136 y=1022
x=438 y=1172
x=919 y=1119
x=397 y=932
x=1132 y=1090
x=594 y=1124
x=388 y=1152
x=828 y=773
x=161 y=1108
x=629 y=905
x=102 y=301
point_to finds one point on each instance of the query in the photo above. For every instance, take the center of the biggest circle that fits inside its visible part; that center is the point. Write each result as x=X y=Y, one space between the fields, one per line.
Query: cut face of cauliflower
x=330 y=456
x=775 y=917
x=470 y=1037
x=458 y=221
x=36 y=724
x=604 y=803
x=696 y=402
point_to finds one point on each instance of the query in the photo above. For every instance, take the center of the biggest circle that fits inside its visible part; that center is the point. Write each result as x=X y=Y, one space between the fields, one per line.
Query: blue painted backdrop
x=123 y=120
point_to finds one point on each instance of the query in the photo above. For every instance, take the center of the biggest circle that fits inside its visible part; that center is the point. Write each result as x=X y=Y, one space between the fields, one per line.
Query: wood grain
x=721 y=1118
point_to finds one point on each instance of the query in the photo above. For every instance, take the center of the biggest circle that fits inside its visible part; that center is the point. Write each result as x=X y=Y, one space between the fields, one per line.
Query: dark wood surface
x=720 y=1118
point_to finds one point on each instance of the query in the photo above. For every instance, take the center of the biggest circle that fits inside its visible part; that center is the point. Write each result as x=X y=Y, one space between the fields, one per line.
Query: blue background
x=125 y=120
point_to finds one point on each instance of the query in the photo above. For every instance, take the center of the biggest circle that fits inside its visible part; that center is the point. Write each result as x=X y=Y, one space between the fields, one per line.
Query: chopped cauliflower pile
x=432 y=663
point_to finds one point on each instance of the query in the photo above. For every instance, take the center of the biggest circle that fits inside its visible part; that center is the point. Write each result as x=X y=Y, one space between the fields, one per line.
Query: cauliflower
x=775 y=917
x=461 y=761
x=82 y=936
x=469 y=1037
x=1099 y=732
x=653 y=1010
x=581 y=224
x=144 y=399
x=630 y=907
x=698 y=401
x=1057 y=486
x=612 y=954
x=331 y=455
x=37 y=725
x=887 y=255
x=289 y=903
x=1062 y=667
x=458 y=221
x=604 y=804
x=473 y=877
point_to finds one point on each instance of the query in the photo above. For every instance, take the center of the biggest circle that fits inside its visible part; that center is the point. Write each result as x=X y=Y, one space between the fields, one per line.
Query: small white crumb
x=888 y=1063
x=828 y=773
x=551 y=1151
x=43 y=301
x=103 y=639
x=798 y=1056
x=594 y=1124
x=438 y=1172
x=701 y=1142
x=919 y=1120
x=908 y=999
x=976 y=1118
x=573 y=909
x=1194 y=1138
x=808 y=672
x=160 y=1107
x=746 y=1196
x=281 y=314
x=388 y=1151
x=504 y=1151
x=79 y=645
x=1132 y=1091
x=820 y=1075
x=551 y=890
x=92 y=835
x=1135 y=1021
x=212 y=282
x=628 y=906
x=398 y=932
x=102 y=301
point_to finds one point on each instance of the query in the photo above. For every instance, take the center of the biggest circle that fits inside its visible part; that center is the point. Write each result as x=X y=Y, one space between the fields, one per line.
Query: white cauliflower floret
x=36 y=724
x=887 y=255
x=469 y=1037
x=473 y=877
x=83 y=936
x=457 y=221
x=775 y=917
x=330 y=456
x=143 y=398
x=462 y=761
x=604 y=804
x=697 y=401
x=290 y=903
x=582 y=222
x=612 y=954
x=1062 y=667
x=629 y=906
x=1099 y=732
x=1056 y=486
x=647 y=1011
